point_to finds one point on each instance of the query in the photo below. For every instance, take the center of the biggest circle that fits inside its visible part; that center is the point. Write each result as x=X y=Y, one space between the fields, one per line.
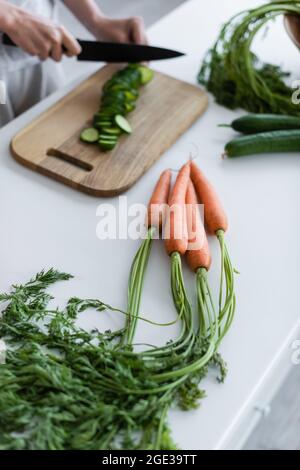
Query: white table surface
x=44 y=224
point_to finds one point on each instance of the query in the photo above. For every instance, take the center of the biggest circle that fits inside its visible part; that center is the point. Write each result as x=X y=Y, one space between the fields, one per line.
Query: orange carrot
x=198 y=253
x=214 y=214
x=176 y=239
x=159 y=200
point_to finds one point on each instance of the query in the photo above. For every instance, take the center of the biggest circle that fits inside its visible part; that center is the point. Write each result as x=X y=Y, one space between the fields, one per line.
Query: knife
x=94 y=51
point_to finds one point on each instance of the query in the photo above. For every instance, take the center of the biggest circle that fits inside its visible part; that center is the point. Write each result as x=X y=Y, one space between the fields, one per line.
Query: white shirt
x=12 y=59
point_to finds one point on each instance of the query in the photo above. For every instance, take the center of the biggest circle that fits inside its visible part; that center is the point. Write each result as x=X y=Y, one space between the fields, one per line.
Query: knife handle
x=9 y=42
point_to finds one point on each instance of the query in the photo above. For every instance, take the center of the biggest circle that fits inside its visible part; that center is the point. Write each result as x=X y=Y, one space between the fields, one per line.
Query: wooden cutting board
x=50 y=145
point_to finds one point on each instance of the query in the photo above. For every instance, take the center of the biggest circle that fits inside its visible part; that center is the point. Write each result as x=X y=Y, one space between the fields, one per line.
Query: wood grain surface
x=50 y=145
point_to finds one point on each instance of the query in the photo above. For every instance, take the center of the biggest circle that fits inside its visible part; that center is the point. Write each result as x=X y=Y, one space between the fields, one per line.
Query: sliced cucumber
x=123 y=124
x=107 y=115
x=103 y=115
x=114 y=108
x=107 y=145
x=131 y=95
x=129 y=107
x=119 y=97
x=90 y=135
x=112 y=130
x=102 y=125
x=132 y=78
x=108 y=137
x=114 y=105
x=146 y=74
x=117 y=85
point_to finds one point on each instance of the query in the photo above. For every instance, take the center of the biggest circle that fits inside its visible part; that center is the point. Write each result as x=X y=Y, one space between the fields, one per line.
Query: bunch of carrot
x=172 y=373
x=185 y=235
x=175 y=211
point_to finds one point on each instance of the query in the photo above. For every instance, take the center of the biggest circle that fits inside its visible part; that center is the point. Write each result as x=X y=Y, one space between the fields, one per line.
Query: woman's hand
x=128 y=30
x=36 y=35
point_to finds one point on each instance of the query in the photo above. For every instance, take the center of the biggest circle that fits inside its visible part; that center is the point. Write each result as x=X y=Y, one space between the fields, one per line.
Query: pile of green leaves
x=63 y=387
x=235 y=75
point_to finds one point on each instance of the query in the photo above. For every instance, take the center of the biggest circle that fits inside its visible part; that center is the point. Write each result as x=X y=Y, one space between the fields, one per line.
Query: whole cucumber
x=255 y=123
x=266 y=142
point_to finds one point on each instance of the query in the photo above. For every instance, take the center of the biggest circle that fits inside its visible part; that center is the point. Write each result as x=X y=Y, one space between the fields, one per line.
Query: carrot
x=198 y=253
x=176 y=239
x=215 y=217
x=159 y=200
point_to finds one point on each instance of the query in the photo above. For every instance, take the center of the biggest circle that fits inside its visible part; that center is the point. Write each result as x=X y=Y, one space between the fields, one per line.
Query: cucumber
x=102 y=119
x=256 y=123
x=123 y=124
x=132 y=76
x=265 y=142
x=90 y=135
x=114 y=95
x=112 y=130
x=146 y=74
x=131 y=95
x=129 y=107
x=119 y=97
x=119 y=86
x=107 y=145
x=108 y=114
x=102 y=116
x=114 y=108
x=108 y=137
x=101 y=125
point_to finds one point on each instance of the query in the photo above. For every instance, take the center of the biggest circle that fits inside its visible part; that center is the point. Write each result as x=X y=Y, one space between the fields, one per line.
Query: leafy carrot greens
x=235 y=75
x=66 y=388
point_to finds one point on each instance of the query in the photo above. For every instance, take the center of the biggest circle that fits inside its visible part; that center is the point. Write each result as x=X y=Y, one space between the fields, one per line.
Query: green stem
x=135 y=287
x=161 y=427
x=227 y=300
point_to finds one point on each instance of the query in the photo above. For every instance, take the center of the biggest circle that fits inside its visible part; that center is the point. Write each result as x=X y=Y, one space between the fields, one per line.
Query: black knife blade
x=95 y=51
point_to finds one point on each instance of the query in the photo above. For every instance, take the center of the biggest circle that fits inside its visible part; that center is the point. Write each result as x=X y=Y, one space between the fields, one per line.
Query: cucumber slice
x=129 y=107
x=112 y=130
x=114 y=95
x=109 y=138
x=90 y=135
x=131 y=77
x=119 y=98
x=103 y=115
x=112 y=104
x=131 y=95
x=114 y=108
x=106 y=145
x=102 y=125
x=123 y=124
x=116 y=85
x=146 y=74
x=102 y=119
x=106 y=115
